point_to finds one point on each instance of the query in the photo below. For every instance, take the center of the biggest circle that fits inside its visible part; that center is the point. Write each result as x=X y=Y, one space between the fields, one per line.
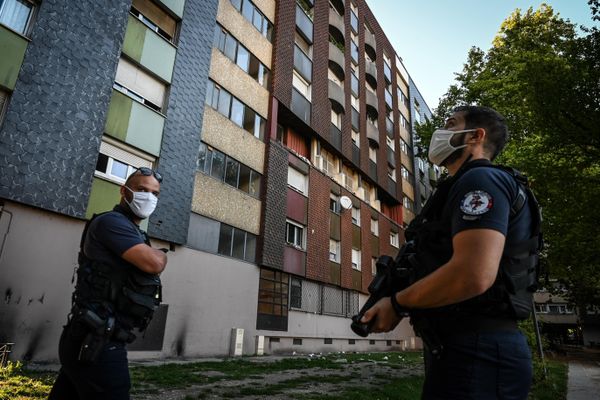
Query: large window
x=297 y=180
x=237 y=243
x=232 y=108
x=16 y=14
x=224 y=168
x=317 y=298
x=139 y=85
x=255 y=17
x=295 y=293
x=294 y=235
x=240 y=55
x=155 y=18
x=301 y=85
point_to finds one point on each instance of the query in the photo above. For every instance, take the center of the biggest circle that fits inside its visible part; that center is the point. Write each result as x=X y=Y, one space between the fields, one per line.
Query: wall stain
x=41 y=299
x=7 y=295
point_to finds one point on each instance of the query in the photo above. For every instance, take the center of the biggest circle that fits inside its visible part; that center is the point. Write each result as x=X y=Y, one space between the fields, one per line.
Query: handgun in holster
x=100 y=331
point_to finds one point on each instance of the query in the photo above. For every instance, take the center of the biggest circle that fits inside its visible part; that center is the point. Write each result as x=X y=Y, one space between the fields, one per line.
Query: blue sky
x=433 y=37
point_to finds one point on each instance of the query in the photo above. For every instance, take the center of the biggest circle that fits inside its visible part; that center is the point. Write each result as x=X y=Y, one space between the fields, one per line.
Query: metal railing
x=5 y=350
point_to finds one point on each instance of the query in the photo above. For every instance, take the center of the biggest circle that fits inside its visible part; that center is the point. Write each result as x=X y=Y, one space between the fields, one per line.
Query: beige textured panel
x=408 y=190
x=134 y=78
x=267 y=7
x=239 y=83
x=245 y=32
x=229 y=138
x=218 y=200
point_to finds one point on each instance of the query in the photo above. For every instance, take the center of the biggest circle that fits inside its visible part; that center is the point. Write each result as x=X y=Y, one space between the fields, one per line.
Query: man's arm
x=470 y=272
x=146 y=258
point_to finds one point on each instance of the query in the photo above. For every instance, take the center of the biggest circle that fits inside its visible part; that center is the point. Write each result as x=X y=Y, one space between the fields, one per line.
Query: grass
x=17 y=382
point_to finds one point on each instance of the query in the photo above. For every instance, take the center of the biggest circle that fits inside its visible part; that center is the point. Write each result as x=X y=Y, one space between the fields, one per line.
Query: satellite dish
x=345 y=202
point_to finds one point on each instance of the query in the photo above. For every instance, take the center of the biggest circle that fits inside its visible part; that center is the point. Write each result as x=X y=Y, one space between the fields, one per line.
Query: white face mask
x=142 y=204
x=440 y=147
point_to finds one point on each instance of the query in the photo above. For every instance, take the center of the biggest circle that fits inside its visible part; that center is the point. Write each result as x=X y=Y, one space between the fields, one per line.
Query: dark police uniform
x=106 y=374
x=484 y=355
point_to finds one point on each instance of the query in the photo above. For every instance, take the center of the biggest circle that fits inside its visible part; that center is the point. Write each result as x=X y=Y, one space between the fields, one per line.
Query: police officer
x=477 y=241
x=117 y=289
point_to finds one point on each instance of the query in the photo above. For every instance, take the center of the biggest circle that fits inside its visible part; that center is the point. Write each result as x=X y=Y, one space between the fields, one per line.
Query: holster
x=425 y=330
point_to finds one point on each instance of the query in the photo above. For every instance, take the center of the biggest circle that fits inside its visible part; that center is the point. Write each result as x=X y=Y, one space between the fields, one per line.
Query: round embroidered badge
x=477 y=202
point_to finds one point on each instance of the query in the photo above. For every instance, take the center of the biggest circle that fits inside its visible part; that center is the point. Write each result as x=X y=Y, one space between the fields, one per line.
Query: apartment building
x=282 y=130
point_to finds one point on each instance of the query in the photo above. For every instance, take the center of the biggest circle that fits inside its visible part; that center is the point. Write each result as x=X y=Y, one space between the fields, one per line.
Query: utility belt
x=99 y=332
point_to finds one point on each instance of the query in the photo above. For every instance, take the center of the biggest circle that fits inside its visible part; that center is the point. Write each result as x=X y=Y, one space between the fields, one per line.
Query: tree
x=543 y=75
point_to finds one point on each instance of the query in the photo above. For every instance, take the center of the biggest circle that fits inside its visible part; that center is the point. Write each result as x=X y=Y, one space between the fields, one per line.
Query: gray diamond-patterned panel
x=55 y=119
x=181 y=136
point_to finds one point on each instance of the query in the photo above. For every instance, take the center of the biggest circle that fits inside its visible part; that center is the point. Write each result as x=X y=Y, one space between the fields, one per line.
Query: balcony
x=355 y=119
x=336 y=61
x=302 y=64
x=301 y=106
x=304 y=24
x=336 y=25
x=149 y=49
x=371 y=73
x=372 y=132
x=391 y=157
x=336 y=95
x=355 y=155
x=372 y=104
x=391 y=186
x=134 y=123
x=370 y=46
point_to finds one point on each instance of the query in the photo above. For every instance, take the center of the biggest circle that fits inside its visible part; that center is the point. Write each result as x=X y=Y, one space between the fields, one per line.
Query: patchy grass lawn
x=337 y=376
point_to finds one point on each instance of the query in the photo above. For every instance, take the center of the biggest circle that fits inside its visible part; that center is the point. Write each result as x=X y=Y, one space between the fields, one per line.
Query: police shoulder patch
x=476 y=202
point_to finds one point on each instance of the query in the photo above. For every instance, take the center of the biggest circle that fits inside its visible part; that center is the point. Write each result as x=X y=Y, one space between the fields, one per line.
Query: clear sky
x=433 y=37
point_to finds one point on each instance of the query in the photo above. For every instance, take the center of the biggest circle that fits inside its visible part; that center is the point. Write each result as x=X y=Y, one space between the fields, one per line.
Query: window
x=295 y=235
x=336 y=119
x=295 y=293
x=390 y=143
x=334 y=203
x=403 y=147
x=255 y=17
x=354 y=84
x=155 y=18
x=354 y=51
x=273 y=295
x=356 y=138
x=137 y=84
x=407 y=203
x=375 y=227
x=404 y=172
x=16 y=14
x=222 y=167
x=394 y=239
x=301 y=85
x=115 y=163
x=237 y=243
x=240 y=55
x=334 y=250
x=373 y=266
x=303 y=45
x=356 y=259
x=356 y=216
x=392 y=173
x=353 y=21
x=354 y=102
x=372 y=154
x=297 y=180
x=232 y=108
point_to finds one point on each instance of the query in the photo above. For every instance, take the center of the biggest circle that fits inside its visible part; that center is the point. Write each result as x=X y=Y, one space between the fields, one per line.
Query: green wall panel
x=12 y=52
x=149 y=49
x=133 y=44
x=158 y=56
x=117 y=121
x=145 y=129
x=175 y=5
x=104 y=196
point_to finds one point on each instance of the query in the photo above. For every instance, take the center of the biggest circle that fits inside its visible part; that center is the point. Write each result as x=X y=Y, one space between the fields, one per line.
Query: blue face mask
x=142 y=204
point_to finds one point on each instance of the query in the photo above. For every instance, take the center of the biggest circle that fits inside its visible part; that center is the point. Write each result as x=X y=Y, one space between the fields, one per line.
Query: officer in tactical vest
x=118 y=289
x=476 y=246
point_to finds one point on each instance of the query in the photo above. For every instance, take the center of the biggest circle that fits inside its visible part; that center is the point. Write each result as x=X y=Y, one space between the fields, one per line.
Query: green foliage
x=543 y=75
x=17 y=383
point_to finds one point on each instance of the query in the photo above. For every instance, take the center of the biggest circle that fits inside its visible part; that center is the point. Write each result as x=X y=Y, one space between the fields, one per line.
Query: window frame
x=299 y=231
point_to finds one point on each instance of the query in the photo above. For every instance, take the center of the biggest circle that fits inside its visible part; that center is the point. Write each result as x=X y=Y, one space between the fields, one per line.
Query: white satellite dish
x=345 y=202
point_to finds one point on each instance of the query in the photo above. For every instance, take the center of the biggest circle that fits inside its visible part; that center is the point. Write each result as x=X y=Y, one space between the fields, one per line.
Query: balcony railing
x=302 y=64
x=336 y=95
x=372 y=132
x=301 y=106
x=355 y=119
x=336 y=137
x=304 y=23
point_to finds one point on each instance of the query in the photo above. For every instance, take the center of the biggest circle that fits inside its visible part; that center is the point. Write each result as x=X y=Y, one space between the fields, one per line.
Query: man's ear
x=479 y=135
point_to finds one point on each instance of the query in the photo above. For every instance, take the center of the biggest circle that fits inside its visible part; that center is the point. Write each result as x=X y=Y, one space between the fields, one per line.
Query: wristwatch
x=400 y=311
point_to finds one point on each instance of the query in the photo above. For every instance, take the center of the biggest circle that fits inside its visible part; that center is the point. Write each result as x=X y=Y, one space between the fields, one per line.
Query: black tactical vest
x=121 y=291
x=511 y=294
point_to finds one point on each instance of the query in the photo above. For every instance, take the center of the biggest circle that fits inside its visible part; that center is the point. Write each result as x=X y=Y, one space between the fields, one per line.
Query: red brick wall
x=346 y=246
x=283 y=51
x=317 y=248
x=365 y=244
